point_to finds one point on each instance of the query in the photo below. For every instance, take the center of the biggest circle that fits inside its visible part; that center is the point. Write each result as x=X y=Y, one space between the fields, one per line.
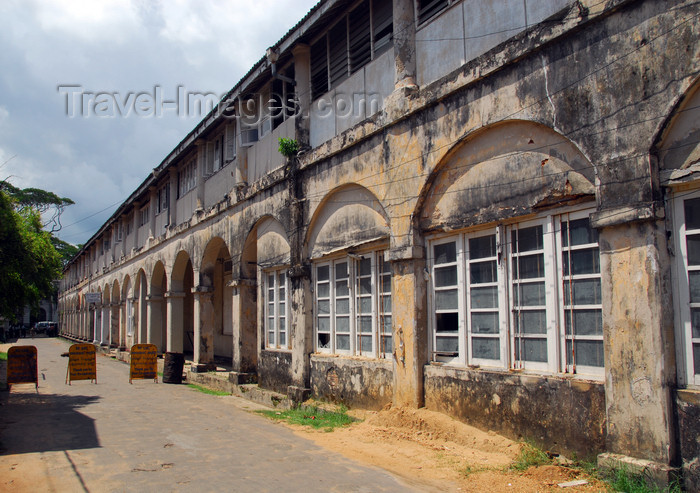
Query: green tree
x=29 y=262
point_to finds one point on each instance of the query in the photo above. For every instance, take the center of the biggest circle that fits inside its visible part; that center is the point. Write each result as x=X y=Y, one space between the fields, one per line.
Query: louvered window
x=382 y=26
x=360 y=42
x=319 y=67
x=338 y=53
x=430 y=8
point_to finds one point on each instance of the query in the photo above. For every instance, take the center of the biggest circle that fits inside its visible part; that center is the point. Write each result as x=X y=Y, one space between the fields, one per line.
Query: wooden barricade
x=22 y=365
x=82 y=363
x=144 y=362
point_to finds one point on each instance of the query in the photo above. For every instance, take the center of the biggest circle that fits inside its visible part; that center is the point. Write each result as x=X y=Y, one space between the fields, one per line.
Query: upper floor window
x=214 y=159
x=686 y=213
x=187 y=178
x=118 y=232
x=163 y=198
x=522 y=296
x=353 y=305
x=144 y=215
x=359 y=37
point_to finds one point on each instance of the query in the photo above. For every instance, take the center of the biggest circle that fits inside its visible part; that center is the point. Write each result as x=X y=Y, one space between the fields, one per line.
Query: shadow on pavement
x=31 y=422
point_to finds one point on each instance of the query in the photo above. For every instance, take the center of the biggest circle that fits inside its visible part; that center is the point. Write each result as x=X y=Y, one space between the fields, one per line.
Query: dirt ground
x=434 y=452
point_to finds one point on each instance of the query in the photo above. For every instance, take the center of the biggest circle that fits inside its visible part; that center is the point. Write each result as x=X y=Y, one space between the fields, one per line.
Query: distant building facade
x=495 y=214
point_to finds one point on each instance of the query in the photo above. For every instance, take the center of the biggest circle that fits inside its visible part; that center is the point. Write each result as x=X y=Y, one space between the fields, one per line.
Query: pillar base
x=202 y=367
x=297 y=395
x=655 y=473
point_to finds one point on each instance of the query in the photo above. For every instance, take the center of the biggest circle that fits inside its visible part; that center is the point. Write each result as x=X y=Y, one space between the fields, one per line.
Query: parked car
x=48 y=328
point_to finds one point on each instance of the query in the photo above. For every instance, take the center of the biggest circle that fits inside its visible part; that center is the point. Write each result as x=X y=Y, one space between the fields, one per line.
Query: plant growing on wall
x=288 y=147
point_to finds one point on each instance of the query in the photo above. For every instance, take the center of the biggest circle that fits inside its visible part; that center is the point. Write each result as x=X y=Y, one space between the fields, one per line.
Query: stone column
x=640 y=370
x=404 y=45
x=409 y=324
x=123 y=318
x=203 y=328
x=175 y=302
x=245 y=327
x=104 y=330
x=201 y=163
x=302 y=76
x=301 y=330
x=155 y=321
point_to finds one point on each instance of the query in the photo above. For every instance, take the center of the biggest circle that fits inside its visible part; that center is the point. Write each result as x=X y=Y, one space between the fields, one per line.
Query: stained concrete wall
x=274 y=370
x=523 y=406
x=688 y=418
x=361 y=383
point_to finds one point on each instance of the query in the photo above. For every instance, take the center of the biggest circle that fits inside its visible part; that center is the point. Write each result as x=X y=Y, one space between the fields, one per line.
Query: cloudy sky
x=96 y=148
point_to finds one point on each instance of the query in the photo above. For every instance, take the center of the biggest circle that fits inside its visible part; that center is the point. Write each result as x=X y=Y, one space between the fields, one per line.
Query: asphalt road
x=116 y=436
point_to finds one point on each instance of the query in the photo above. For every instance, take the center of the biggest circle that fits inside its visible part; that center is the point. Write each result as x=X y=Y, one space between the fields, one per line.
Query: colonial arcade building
x=494 y=213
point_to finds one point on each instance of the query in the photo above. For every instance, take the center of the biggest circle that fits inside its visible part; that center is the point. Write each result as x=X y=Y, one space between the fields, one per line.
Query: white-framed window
x=276 y=309
x=352 y=305
x=163 y=199
x=214 y=155
x=118 y=232
x=521 y=296
x=187 y=178
x=686 y=216
x=144 y=215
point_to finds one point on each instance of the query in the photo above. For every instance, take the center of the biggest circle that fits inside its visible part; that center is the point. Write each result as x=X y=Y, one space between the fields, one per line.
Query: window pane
x=366 y=285
x=481 y=272
x=270 y=295
x=693 y=242
x=387 y=345
x=342 y=343
x=486 y=297
x=386 y=304
x=365 y=324
x=485 y=348
x=324 y=324
x=586 y=322
x=323 y=290
x=386 y=284
x=529 y=294
x=365 y=266
x=588 y=353
x=282 y=324
x=530 y=322
x=447 y=344
x=446 y=300
x=342 y=324
x=270 y=338
x=341 y=270
x=446 y=322
x=695 y=322
x=365 y=305
x=692 y=213
x=342 y=306
x=364 y=344
x=386 y=326
x=527 y=239
x=485 y=323
x=585 y=291
x=696 y=357
x=446 y=276
x=324 y=306
x=341 y=288
x=445 y=253
x=528 y=267
x=534 y=350
x=482 y=247
x=283 y=339
x=581 y=233
x=322 y=273
x=324 y=341
x=694 y=278
x=586 y=261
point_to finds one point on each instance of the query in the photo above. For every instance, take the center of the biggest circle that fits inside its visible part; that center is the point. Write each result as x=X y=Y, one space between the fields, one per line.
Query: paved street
x=116 y=436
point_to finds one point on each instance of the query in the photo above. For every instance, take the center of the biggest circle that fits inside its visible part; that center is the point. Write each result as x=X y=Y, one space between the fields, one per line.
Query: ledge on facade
x=616 y=216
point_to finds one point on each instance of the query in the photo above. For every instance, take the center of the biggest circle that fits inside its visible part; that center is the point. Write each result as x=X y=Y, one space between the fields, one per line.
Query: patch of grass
x=529 y=456
x=313 y=416
x=205 y=390
x=627 y=482
x=3 y=356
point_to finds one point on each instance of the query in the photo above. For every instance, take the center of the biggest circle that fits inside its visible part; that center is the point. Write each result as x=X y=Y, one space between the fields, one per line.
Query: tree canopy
x=31 y=258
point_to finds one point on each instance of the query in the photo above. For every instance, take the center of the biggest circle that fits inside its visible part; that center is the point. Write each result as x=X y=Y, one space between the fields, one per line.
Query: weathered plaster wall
x=541 y=409
x=274 y=370
x=361 y=383
x=688 y=415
